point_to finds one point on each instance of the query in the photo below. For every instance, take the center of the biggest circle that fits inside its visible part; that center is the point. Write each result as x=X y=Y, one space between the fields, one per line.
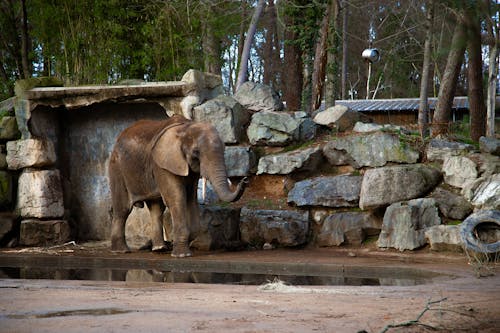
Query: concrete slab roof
x=72 y=97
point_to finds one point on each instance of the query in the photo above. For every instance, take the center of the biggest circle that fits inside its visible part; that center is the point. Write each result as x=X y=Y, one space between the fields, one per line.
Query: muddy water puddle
x=68 y=313
x=208 y=271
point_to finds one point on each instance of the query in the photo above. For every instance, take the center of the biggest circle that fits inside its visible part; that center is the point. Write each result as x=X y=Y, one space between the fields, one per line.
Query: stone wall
x=331 y=180
x=351 y=180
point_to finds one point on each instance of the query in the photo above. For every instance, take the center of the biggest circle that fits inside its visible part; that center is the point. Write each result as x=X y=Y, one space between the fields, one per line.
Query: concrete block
x=40 y=194
x=43 y=233
x=30 y=153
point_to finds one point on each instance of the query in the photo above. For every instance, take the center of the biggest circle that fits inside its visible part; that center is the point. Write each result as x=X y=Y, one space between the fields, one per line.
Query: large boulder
x=336 y=191
x=204 y=86
x=240 y=161
x=438 y=149
x=372 y=150
x=307 y=127
x=484 y=193
x=347 y=228
x=489 y=145
x=405 y=224
x=276 y=227
x=444 y=238
x=361 y=127
x=7 y=106
x=387 y=185
x=459 y=170
x=339 y=117
x=30 y=153
x=8 y=128
x=487 y=164
x=273 y=128
x=40 y=194
x=451 y=205
x=258 y=97
x=286 y=163
x=138 y=228
x=219 y=229
x=227 y=115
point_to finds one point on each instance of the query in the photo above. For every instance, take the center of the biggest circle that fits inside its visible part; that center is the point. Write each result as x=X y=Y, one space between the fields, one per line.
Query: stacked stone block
x=8 y=178
x=39 y=195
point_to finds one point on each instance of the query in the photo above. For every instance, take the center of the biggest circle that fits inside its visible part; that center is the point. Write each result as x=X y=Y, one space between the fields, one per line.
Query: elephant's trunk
x=216 y=174
x=221 y=186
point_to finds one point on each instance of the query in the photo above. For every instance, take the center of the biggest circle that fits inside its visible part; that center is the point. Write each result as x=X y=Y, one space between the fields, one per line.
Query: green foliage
x=95 y=41
x=461 y=130
x=299 y=145
x=267 y=203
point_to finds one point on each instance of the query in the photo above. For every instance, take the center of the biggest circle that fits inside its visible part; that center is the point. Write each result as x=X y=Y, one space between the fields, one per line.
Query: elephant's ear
x=167 y=153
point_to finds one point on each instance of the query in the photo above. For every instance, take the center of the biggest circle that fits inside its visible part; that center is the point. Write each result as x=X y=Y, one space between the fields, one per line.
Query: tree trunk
x=442 y=114
x=423 y=108
x=25 y=44
x=319 y=68
x=292 y=75
x=271 y=63
x=493 y=32
x=332 y=68
x=245 y=56
x=210 y=44
x=345 y=15
x=477 y=108
x=492 y=83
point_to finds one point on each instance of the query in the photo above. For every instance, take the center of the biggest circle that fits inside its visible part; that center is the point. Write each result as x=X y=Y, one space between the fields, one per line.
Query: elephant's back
x=144 y=130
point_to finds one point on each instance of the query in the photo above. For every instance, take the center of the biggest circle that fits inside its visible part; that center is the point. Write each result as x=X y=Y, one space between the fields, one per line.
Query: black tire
x=469 y=225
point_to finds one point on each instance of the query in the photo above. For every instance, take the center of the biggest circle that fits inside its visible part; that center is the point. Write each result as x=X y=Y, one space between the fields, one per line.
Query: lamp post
x=370 y=55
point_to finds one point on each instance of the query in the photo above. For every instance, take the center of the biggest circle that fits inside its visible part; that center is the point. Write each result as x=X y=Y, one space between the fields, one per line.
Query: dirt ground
x=456 y=301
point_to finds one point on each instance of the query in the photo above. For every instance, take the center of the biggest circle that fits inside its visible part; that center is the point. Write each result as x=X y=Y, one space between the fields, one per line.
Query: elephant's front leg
x=156 y=208
x=193 y=209
x=180 y=230
x=175 y=198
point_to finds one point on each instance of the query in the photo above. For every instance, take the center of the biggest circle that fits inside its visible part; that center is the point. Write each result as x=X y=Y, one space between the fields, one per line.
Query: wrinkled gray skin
x=159 y=163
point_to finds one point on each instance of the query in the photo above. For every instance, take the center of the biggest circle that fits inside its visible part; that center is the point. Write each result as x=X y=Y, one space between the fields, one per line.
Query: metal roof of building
x=397 y=104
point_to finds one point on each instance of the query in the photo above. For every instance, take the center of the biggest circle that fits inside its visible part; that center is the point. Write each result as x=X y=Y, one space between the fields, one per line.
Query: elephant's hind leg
x=119 y=196
x=118 y=242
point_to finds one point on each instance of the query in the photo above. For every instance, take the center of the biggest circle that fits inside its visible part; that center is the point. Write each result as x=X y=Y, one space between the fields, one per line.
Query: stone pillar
x=39 y=196
x=8 y=131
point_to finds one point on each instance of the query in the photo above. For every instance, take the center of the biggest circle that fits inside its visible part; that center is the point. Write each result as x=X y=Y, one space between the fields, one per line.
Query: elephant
x=159 y=163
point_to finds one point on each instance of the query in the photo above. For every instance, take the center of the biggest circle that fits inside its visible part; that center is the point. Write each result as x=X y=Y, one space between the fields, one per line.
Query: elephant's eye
x=195 y=154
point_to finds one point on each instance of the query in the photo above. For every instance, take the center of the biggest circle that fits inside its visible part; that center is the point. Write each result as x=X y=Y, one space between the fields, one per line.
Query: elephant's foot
x=121 y=250
x=182 y=255
x=161 y=247
x=119 y=246
x=181 y=251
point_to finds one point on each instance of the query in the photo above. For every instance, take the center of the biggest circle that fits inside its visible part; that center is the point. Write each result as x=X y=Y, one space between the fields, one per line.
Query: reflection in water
x=137 y=275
